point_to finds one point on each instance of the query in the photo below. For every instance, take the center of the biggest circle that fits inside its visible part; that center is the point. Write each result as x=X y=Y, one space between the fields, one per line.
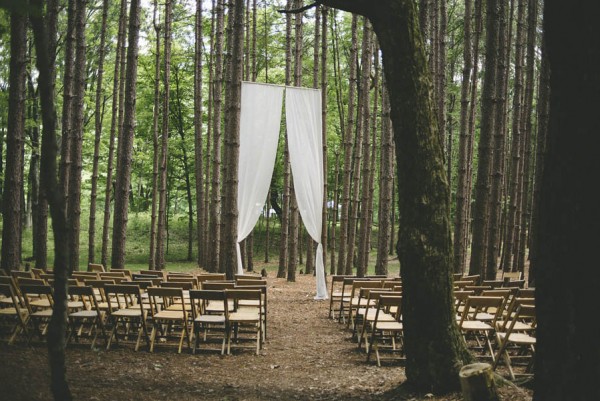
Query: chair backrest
x=36 y=272
x=20 y=273
x=96 y=267
x=357 y=285
x=183 y=279
x=117 y=276
x=244 y=283
x=82 y=276
x=247 y=277
x=210 y=277
x=122 y=296
x=515 y=283
x=8 y=291
x=512 y=276
x=477 y=288
x=31 y=281
x=200 y=298
x=493 y=283
x=127 y=272
x=183 y=285
x=155 y=273
x=477 y=304
x=237 y=294
x=526 y=292
x=387 y=302
x=37 y=291
x=218 y=285
x=85 y=293
x=163 y=297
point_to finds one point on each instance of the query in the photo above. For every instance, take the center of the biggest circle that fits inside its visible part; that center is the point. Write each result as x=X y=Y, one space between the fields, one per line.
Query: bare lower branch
x=301 y=9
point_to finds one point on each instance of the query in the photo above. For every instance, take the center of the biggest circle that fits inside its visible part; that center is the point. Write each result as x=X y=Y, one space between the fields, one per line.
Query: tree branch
x=301 y=9
x=362 y=7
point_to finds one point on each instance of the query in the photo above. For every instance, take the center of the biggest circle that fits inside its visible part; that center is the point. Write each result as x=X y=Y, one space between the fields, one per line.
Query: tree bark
x=98 y=134
x=126 y=142
x=567 y=357
x=386 y=178
x=198 y=151
x=15 y=137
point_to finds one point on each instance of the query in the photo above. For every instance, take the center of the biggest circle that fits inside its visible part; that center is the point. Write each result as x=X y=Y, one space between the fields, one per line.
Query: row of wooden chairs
x=29 y=304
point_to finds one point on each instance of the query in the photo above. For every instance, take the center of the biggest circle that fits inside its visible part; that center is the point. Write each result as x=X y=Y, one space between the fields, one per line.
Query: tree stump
x=477 y=382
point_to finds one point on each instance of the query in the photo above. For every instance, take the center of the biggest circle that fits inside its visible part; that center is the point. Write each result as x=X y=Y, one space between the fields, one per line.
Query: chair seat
x=519 y=326
x=519 y=338
x=210 y=319
x=127 y=313
x=389 y=326
x=74 y=304
x=42 y=313
x=12 y=311
x=476 y=325
x=244 y=317
x=168 y=315
x=40 y=303
x=84 y=314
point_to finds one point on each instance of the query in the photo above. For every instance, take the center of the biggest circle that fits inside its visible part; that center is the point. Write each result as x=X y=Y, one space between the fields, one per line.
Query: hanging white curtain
x=305 y=144
x=259 y=133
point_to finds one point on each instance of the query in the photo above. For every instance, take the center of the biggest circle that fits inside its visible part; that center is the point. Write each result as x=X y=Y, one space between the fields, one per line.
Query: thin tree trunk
x=98 y=134
x=509 y=240
x=114 y=126
x=74 y=204
x=365 y=115
x=343 y=254
x=126 y=142
x=267 y=233
x=324 y=87
x=460 y=223
x=198 y=151
x=285 y=216
x=155 y=137
x=386 y=178
x=161 y=230
x=215 y=207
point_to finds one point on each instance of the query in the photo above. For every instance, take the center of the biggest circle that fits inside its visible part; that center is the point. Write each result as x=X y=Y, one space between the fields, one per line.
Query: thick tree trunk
x=567 y=356
x=481 y=213
x=126 y=142
x=228 y=259
x=15 y=137
x=56 y=198
x=434 y=347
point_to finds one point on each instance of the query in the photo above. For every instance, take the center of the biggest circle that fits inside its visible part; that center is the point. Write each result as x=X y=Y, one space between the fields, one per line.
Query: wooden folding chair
x=89 y=318
x=13 y=316
x=480 y=331
x=524 y=341
x=205 y=323
x=39 y=302
x=169 y=315
x=125 y=309
x=356 y=301
x=365 y=316
x=386 y=334
x=240 y=318
x=96 y=267
x=254 y=303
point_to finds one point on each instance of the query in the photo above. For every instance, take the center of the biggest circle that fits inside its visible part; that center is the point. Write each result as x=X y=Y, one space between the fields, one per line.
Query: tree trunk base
x=477 y=382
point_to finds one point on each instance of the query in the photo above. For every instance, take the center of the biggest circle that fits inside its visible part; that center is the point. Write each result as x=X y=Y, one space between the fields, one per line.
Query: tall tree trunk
x=343 y=255
x=74 y=204
x=509 y=240
x=434 y=347
x=161 y=230
x=155 y=137
x=361 y=131
x=498 y=148
x=215 y=207
x=566 y=355
x=228 y=257
x=364 y=115
x=44 y=34
x=542 y=132
x=15 y=137
x=198 y=151
x=285 y=216
x=481 y=212
x=324 y=87
x=461 y=211
x=67 y=107
x=98 y=134
x=126 y=142
x=386 y=178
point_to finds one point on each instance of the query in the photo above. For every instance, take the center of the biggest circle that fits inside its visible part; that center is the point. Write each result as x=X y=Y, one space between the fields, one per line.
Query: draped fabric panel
x=305 y=145
x=260 y=119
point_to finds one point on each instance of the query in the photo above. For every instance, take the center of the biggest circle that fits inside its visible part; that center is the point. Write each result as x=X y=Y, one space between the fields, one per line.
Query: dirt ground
x=306 y=357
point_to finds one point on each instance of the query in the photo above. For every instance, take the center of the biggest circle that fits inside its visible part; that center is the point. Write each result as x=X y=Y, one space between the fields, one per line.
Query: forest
x=119 y=143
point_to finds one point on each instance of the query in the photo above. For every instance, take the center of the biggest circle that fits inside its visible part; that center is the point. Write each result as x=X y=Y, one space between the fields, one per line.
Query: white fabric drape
x=305 y=145
x=260 y=119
